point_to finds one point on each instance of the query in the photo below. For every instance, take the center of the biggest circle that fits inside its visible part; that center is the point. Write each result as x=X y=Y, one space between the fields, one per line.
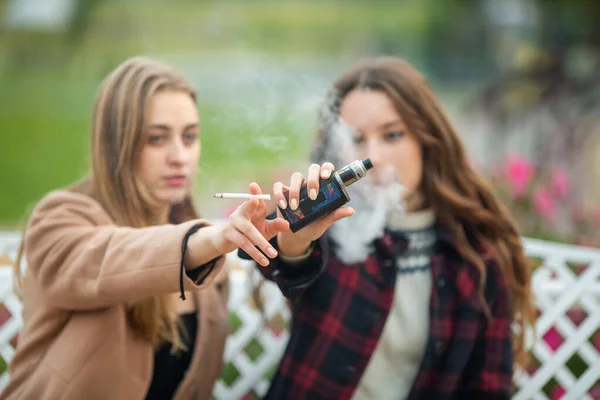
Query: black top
x=170 y=368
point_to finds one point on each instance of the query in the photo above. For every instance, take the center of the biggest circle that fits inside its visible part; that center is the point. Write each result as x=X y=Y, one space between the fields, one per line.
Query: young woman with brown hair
x=416 y=295
x=112 y=305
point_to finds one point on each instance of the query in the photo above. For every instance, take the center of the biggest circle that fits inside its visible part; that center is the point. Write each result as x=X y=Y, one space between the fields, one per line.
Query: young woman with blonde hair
x=416 y=294
x=125 y=293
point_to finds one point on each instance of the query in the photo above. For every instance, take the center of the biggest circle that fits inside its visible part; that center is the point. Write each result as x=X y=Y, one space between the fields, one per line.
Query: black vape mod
x=332 y=195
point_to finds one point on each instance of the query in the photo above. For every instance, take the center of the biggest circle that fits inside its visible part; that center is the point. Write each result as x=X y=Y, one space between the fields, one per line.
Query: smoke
x=374 y=197
x=374 y=201
x=264 y=104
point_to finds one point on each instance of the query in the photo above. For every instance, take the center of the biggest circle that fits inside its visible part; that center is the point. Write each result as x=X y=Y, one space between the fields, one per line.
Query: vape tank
x=331 y=196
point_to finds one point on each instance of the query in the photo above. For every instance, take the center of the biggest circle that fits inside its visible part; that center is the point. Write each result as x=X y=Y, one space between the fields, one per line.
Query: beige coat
x=82 y=271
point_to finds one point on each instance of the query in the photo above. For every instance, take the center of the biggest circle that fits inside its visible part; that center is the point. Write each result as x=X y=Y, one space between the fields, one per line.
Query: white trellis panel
x=559 y=290
x=254 y=348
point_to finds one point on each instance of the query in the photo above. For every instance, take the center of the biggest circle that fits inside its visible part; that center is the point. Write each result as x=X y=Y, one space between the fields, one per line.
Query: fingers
x=312 y=183
x=323 y=224
x=278 y=194
x=285 y=195
x=275 y=226
x=294 y=192
x=326 y=170
x=342 y=212
x=249 y=207
x=252 y=238
x=239 y=239
x=254 y=188
x=260 y=211
x=315 y=172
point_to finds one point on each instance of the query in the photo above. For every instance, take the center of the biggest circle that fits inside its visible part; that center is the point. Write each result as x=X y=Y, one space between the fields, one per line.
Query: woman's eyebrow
x=389 y=124
x=161 y=127
x=164 y=127
x=191 y=126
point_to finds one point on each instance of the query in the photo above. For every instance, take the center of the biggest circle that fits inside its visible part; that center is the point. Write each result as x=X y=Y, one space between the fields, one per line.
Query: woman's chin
x=171 y=196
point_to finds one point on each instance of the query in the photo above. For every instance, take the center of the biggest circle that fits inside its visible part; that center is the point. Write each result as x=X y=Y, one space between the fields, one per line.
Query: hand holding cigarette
x=247 y=227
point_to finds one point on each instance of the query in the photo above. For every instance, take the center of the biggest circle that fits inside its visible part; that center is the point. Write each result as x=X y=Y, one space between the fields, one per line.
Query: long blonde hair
x=116 y=141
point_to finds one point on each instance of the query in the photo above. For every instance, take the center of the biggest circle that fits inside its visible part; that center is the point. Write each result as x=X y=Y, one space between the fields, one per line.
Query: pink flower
x=561 y=185
x=520 y=173
x=544 y=203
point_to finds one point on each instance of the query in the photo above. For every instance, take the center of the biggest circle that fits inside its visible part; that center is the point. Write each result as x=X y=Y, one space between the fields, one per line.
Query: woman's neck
x=161 y=216
x=415 y=201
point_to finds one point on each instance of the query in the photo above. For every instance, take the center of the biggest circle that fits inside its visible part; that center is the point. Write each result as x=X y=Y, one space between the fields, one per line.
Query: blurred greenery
x=44 y=125
x=250 y=131
x=283 y=28
x=49 y=80
x=47 y=122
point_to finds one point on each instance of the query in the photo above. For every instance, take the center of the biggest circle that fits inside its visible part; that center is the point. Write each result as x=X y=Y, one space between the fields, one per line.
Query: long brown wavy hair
x=461 y=198
x=116 y=140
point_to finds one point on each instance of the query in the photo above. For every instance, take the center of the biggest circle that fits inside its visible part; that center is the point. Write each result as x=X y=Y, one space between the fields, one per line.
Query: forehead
x=171 y=107
x=367 y=109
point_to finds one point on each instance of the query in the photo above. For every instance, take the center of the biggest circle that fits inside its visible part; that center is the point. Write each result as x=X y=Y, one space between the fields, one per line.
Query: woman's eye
x=155 y=139
x=393 y=135
x=358 y=140
x=190 y=137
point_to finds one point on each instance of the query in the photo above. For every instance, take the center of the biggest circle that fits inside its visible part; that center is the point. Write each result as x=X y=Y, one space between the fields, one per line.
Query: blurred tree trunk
x=457 y=39
x=80 y=22
x=35 y=48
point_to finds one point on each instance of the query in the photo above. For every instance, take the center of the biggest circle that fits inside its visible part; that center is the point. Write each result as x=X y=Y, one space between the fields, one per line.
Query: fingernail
x=271 y=252
x=282 y=204
x=264 y=261
x=352 y=211
x=313 y=194
x=294 y=204
x=325 y=174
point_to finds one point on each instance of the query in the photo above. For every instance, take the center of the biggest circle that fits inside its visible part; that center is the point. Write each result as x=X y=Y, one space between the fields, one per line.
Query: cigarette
x=241 y=196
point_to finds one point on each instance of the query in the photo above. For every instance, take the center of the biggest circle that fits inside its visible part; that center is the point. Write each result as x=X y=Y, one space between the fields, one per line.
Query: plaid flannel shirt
x=339 y=312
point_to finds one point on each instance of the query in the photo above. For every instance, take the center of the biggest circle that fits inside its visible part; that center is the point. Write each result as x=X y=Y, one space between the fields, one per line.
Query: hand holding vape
x=331 y=196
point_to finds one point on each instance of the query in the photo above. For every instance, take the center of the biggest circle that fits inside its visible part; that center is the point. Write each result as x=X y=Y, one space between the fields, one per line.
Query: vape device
x=331 y=196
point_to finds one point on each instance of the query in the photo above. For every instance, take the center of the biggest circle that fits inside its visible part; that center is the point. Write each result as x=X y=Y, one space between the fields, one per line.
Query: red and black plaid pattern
x=339 y=311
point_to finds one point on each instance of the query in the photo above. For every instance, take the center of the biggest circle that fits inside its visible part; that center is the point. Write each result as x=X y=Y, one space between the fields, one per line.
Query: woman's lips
x=176 y=180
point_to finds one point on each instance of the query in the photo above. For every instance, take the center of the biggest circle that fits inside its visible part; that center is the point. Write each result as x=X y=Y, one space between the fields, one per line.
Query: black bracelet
x=189 y=233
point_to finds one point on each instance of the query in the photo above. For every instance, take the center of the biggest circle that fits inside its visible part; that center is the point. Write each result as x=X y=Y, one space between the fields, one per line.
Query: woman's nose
x=178 y=153
x=374 y=152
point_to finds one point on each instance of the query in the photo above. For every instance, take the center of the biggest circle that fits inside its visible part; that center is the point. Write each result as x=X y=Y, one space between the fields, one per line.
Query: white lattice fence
x=566 y=353
x=10 y=305
x=257 y=339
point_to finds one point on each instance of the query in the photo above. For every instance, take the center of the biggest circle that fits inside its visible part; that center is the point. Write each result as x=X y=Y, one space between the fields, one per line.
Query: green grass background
x=46 y=100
